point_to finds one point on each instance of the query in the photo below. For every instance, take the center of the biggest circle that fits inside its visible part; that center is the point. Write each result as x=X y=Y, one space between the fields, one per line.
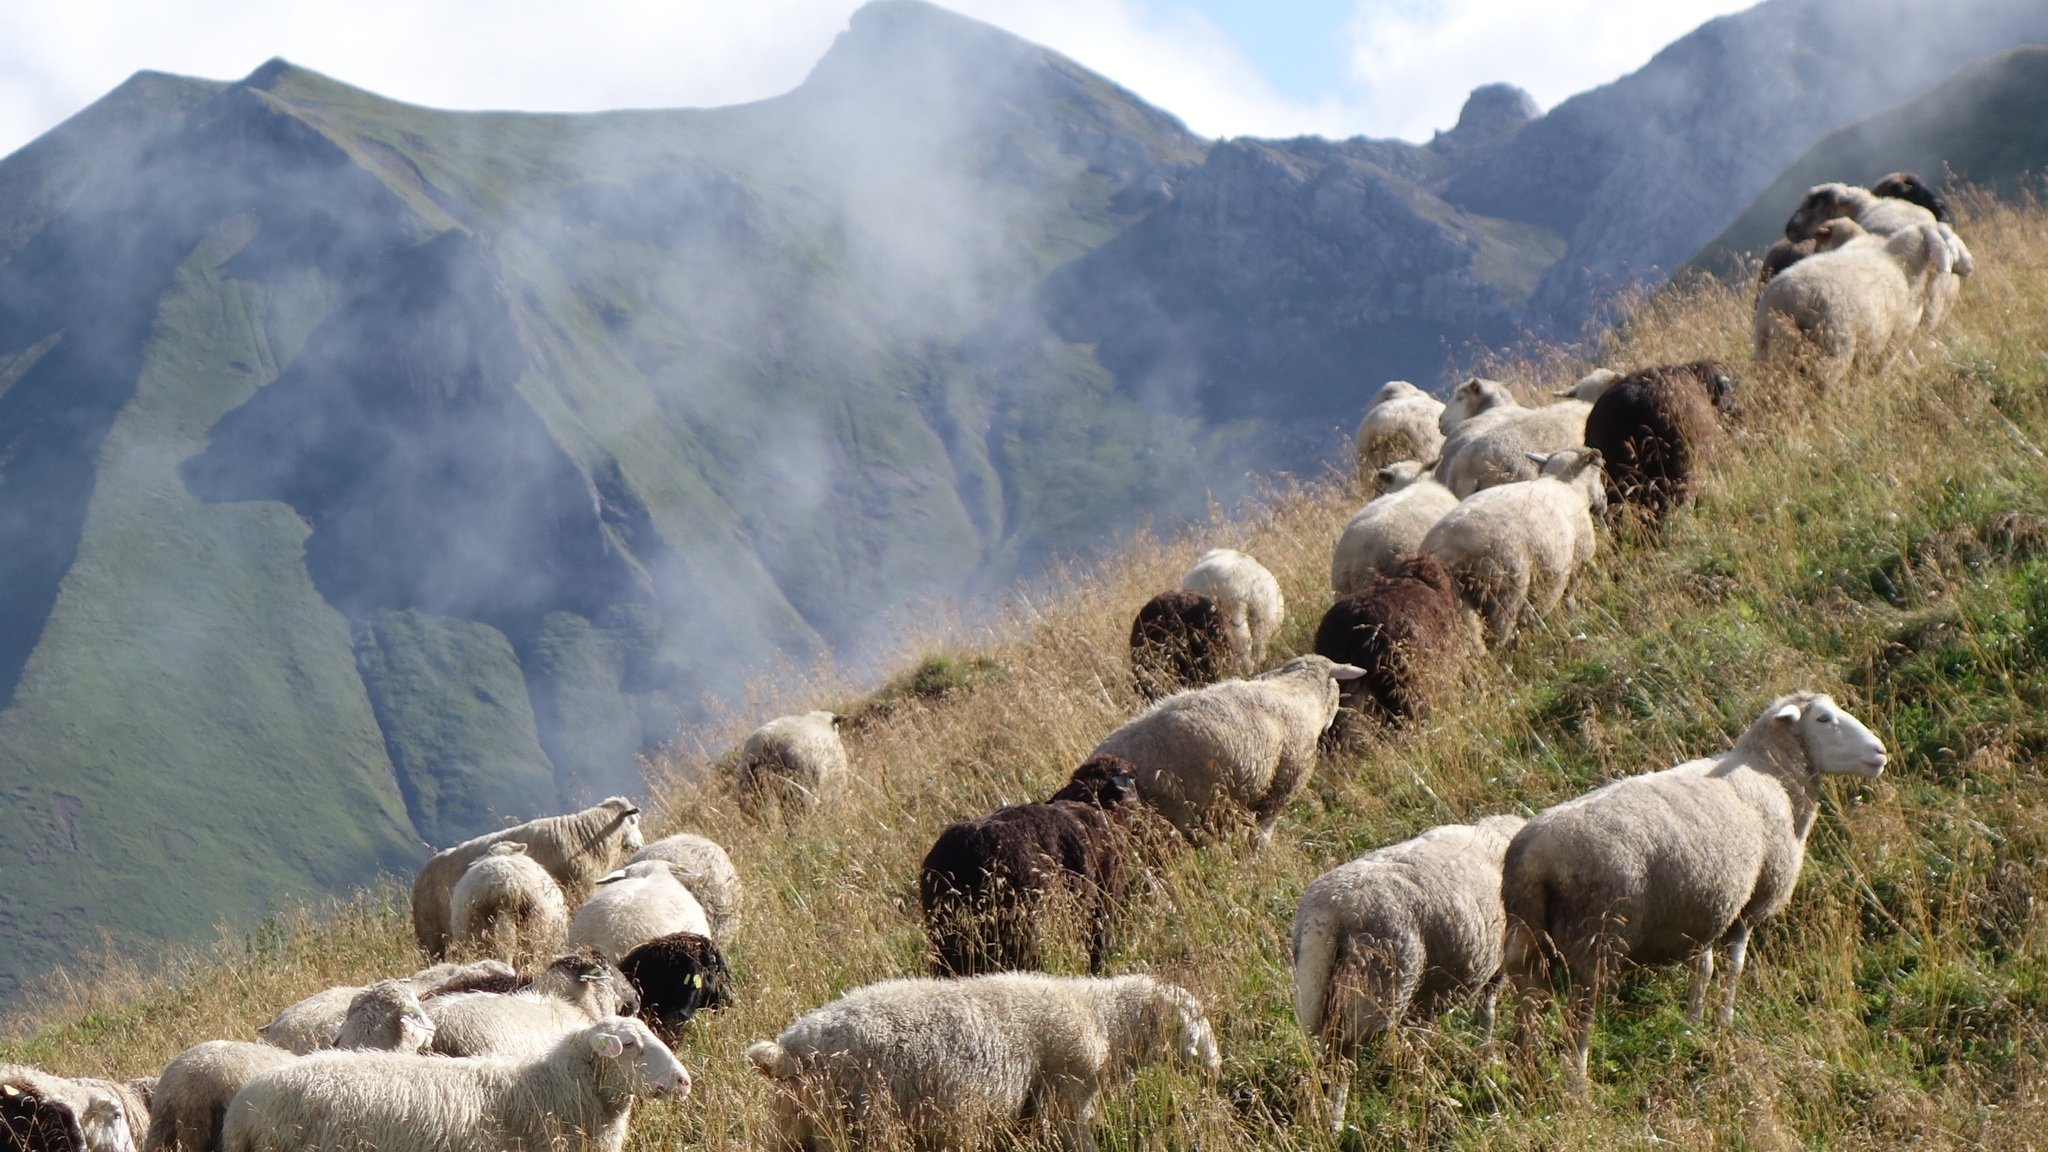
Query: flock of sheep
x=1487 y=510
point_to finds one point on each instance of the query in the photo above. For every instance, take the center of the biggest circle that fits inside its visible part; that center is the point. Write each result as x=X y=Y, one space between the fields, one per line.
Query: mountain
x=372 y=474
x=1986 y=125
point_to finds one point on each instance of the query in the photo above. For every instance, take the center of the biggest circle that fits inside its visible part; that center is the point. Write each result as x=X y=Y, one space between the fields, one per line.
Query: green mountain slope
x=1987 y=124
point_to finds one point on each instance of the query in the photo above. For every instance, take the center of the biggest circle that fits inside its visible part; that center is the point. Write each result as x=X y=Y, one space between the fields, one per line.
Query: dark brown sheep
x=1913 y=190
x=1403 y=629
x=677 y=976
x=988 y=882
x=1179 y=640
x=1656 y=429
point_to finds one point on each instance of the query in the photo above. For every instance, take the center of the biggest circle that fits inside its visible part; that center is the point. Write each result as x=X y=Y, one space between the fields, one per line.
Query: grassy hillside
x=1987 y=125
x=1888 y=543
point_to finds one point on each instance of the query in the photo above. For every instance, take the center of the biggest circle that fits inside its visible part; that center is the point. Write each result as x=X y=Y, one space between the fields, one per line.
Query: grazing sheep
x=1400 y=424
x=713 y=880
x=312 y=1023
x=1655 y=432
x=677 y=977
x=1247 y=595
x=575 y=849
x=573 y=990
x=1913 y=190
x=1512 y=550
x=1853 y=307
x=1497 y=442
x=1402 y=628
x=1877 y=215
x=636 y=904
x=508 y=906
x=988 y=883
x=197 y=1085
x=1390 y=528
x=577 y=1097
x=1206 y=756
x=44 y=1113
x=1469 y=399
x=1671 y=865
x=952 y=1059
x=793 y=764
x=1409 y=930
x=1179 y=640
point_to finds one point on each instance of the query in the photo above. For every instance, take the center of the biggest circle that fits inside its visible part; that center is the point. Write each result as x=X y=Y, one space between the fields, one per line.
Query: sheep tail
x=1315 y=962
x=772 y=1060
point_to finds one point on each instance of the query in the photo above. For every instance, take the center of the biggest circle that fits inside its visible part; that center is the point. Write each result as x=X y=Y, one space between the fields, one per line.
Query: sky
x=1398 y=68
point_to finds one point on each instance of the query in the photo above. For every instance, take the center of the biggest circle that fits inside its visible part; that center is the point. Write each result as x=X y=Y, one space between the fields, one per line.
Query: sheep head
x=1913 y=190
x=1590 y=387
x=1393 y=390
x=1103 y=781
x=650 y=1067
x=1401 y=474
x=1824 y=202
x=1470 y=399
x=1835 y=741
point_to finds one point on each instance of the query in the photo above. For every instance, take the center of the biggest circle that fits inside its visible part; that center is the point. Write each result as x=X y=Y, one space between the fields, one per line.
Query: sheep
x=1404 y=629
x=792 y=764
x=1408 y=930
x=677 y=976
x=951 y=1059
x=1897 y=186
x=40 y=1112
x=577 y=1097
x=1655 y=432
x=1512 y=550
x=1855 y=306
x=575 y=849
x=1909 y=187
x=197 y=1085
x=712 y=880
x=1875 y=214
x=507 y=905
x=1203 y=756
x=573 y=990
x=1399 y=424
x=636 y=904
x=1247 y=595
x=1496 y=442
x=986 y=884
x=1179 y=640
x=312 y=1023
x=1669 y=866
x=1390 y=527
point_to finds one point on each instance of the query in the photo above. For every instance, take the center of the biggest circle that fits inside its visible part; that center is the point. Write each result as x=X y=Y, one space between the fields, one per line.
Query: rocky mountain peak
x=1492 y=115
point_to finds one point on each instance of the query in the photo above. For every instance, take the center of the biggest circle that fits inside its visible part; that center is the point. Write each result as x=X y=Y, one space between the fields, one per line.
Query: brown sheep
x=1179 y=640
x=1403 y=628
x=987 y=882
x=1655 y=430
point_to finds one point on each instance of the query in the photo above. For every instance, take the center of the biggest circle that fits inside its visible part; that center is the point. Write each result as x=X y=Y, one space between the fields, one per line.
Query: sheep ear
x=1539 y=459
x=1565 y=393
x=682 y=873
x=619 y=875
x=630 y=812
x=1788 y=713
x=1345 y=671
x=607 y=1045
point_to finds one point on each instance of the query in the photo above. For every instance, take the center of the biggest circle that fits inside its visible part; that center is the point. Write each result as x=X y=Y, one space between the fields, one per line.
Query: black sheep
x=31 y=1122
x=1179 y=640
x=1655 y=430
x=1403 y=629
x=1913 y=190
x=987 y=882
x=678 y=976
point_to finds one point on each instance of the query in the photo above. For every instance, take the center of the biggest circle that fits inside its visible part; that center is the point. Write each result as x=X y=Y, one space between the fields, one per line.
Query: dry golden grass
x=1888 y=543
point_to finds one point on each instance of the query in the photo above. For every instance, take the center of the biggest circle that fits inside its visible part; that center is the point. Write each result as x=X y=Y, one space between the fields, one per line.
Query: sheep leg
x=1339 y=1075
x=1696 y=995
x=1579 y=1025
x=1489 y=997
x=1738 y=951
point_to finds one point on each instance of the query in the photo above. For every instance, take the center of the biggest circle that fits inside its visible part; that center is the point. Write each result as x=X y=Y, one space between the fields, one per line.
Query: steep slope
x=1987 y=124
x=1638 y=174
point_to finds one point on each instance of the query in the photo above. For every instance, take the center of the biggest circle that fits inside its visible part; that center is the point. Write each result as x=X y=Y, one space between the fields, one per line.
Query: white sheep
x=950 y=1059
x=635 y=905
x=506 y=905
x=196 y=1087
x=1877 y=215
x=1512 y=550
x=1206 y=756
x=1408 y=930
x=1400 y=424
x=577 y=1097
x=1496 y=438
x=575 y=849
x=793 y=763
x=570 y=993
x=1390 y=527
x=1855 y=306
x=713 y=880
x=1247 y=595
x=1669 y=866
x=312 y=1023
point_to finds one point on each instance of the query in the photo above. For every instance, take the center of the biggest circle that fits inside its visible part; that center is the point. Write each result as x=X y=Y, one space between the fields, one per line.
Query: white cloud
x=1413 y=60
